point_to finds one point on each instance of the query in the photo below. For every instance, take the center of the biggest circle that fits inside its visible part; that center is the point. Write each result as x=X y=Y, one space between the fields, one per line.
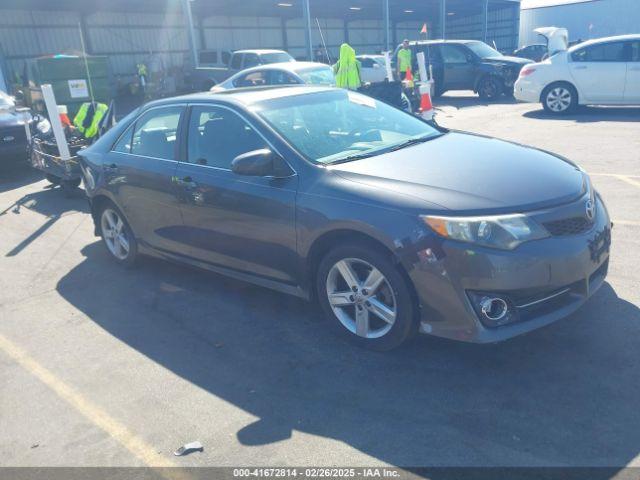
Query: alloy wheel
x=559 y=99
x=361 y=298
x=115 y=234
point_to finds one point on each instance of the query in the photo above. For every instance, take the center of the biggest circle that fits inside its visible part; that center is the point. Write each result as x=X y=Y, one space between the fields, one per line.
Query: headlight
x=501 y=231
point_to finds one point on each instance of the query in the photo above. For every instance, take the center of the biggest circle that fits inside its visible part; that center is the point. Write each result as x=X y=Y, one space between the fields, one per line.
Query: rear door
x=600 y=71
x=234 y=221
x=458 y=66
x=140 y=171
x=632 y=88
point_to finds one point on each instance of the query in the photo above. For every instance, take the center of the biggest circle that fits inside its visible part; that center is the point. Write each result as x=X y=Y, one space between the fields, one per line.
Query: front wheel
x=559 y=98
x=117 y=236
x=365 y=297
x=490 y=88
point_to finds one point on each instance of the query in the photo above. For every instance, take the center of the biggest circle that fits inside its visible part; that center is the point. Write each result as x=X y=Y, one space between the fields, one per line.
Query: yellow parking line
x=629 y=180
x=134 y=444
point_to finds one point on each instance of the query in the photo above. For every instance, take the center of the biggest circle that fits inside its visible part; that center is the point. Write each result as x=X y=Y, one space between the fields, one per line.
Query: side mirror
x=257 y=163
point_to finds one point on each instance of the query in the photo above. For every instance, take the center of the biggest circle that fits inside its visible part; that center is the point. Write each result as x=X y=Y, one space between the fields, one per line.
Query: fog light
x=493 y=310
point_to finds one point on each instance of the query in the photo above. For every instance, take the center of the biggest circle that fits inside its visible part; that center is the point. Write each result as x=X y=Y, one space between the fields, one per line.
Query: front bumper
x=527 y=91
x=546 y=280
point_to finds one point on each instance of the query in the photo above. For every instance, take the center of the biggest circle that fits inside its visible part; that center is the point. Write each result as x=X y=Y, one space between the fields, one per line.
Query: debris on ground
x=188 y=448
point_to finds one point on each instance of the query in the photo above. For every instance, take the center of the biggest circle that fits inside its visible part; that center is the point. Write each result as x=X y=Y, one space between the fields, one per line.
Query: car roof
x=243 y=96
x=432 y=42
x=259 y=51
x=288 y=66
x=596 y=41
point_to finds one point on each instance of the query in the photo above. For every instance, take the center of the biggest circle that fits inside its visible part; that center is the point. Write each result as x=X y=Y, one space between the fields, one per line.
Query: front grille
x=568 y=226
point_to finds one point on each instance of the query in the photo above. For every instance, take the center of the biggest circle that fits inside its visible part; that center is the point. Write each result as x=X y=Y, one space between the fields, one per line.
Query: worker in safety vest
x=88 y=118
x=404 y=60
x=347 y=70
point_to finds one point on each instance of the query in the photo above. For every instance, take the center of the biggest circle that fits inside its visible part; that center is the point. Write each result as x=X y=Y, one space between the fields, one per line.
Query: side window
x=635 y=51
x=279 y=77
x=217 y=136
x=251 y=60
x=155 y=133
x=236 y=61
x=208 y=57
x=366 y=63
x=226 y=56
x=252 y=79
x=606 y=52
x=123 y=145
x=452 y=54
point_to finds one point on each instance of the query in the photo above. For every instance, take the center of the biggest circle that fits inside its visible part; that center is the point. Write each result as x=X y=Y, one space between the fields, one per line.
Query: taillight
x=526 y=71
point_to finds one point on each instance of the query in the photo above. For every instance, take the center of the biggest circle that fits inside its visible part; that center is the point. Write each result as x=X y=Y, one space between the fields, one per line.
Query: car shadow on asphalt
x=586 y=114
x=465 y=101
x=564 y=395
x=17 y=175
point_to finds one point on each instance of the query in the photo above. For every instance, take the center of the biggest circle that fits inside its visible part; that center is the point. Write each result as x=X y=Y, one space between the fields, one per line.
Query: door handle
x=110 y=168
x=186 y=182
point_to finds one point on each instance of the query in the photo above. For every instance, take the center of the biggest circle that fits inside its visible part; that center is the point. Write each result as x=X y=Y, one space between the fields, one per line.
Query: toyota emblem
x=590 y=209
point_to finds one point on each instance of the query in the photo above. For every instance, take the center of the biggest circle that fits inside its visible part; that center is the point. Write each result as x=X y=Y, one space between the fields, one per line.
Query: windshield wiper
x=350 y=158
x=412 y=141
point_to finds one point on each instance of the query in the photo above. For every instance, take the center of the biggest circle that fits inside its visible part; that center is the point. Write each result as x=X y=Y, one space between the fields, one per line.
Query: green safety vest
x=89 y=126
x=404 y=59
x=347 y=69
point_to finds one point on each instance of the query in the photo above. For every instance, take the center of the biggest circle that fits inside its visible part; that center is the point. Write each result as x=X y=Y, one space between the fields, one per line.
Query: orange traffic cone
x=408 y=78
x=426 y=107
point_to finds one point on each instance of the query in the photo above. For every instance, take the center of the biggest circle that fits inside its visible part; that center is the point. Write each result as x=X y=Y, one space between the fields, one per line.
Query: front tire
x=559 y=98
x=365 y=297
x=117 y=236
x=490 y=88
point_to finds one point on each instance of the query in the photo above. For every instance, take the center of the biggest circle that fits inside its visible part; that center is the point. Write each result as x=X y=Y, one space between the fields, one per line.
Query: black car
x=393 y=224
x=535 y=52
x=468 y=65
x=13 y=136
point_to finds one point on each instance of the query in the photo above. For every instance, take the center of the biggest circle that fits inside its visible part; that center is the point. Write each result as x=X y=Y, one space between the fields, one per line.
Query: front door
x=139 y=173
x=235 y=221
x=600 y=72
x=458 y=67
x=632 y=89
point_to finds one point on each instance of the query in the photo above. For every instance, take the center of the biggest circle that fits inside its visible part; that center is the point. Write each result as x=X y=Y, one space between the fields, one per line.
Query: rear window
x=276 y=57
x=318 y=76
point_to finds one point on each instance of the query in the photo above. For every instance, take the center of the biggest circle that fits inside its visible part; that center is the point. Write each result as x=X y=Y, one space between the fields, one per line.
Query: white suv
x=605 y=71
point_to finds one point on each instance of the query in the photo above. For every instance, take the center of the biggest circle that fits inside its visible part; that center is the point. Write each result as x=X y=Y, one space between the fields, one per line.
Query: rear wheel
x=117 y=235
x=490 y=88
x=365 y=297
x=559 y=98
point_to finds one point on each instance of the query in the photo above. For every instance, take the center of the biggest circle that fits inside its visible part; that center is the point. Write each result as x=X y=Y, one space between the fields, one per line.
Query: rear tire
x=490 y=88
x=559 y=98
x=373 y=308
x=117 y=236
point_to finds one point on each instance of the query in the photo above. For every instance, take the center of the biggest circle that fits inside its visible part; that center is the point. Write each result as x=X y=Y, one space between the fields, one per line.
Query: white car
x=372 y=68
x=287 y=73
x=605 y=71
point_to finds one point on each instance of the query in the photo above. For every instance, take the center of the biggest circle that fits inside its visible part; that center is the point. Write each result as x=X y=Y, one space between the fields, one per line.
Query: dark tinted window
x=635 y=51
x=155 y=133
x=605 y=52
x=280 y=77
x=208 y=58
x=251 y=60
x=218 y=135
x=236 y=61
x=452 y=54
x=226 y=56
x=124 y=144
x=252 y=79
x=367 y=62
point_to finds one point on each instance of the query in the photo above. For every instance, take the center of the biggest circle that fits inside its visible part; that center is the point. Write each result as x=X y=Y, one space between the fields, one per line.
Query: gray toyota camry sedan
x=392 y=224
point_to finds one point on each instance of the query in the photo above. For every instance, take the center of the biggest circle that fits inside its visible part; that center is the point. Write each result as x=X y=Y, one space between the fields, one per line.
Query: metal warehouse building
x=584 y=19
x=129 y=31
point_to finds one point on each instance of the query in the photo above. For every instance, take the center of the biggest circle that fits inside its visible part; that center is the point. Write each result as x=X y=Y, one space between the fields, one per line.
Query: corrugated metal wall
x=605 y=17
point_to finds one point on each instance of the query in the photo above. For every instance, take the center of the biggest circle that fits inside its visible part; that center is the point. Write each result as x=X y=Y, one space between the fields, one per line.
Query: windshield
x=318 y=76
x=339 y=125
x=276 y=57
x=483 y=50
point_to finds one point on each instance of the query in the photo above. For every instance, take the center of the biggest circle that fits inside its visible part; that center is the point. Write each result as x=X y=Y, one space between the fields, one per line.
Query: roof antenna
x=324 y=45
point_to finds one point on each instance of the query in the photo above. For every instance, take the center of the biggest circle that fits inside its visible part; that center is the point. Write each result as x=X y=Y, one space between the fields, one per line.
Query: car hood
x=507 y=60
x=8 y=119
x=470 y=173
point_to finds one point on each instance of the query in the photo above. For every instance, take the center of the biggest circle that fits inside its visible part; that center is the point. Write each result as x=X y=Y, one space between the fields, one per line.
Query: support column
x=285 y=38
x=306 y=13
x=193 y=45
x=387 y=25
x=443 y=18
x=485 y=20
x=346 y=31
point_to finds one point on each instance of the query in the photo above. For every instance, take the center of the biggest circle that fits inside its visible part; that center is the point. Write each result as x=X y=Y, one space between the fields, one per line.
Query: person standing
x=347 y=70
x=404 y=60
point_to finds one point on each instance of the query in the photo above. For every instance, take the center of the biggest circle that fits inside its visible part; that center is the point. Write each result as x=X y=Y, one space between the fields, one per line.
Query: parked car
x=211 y=72
x=535 y=52
x=372 y=68
x=605 y=71
x=289 y=73
x=468 y=65
x=13 y=135
x=395 y=225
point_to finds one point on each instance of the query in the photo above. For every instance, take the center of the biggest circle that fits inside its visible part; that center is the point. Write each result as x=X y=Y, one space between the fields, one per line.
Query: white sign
x=78 y=88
